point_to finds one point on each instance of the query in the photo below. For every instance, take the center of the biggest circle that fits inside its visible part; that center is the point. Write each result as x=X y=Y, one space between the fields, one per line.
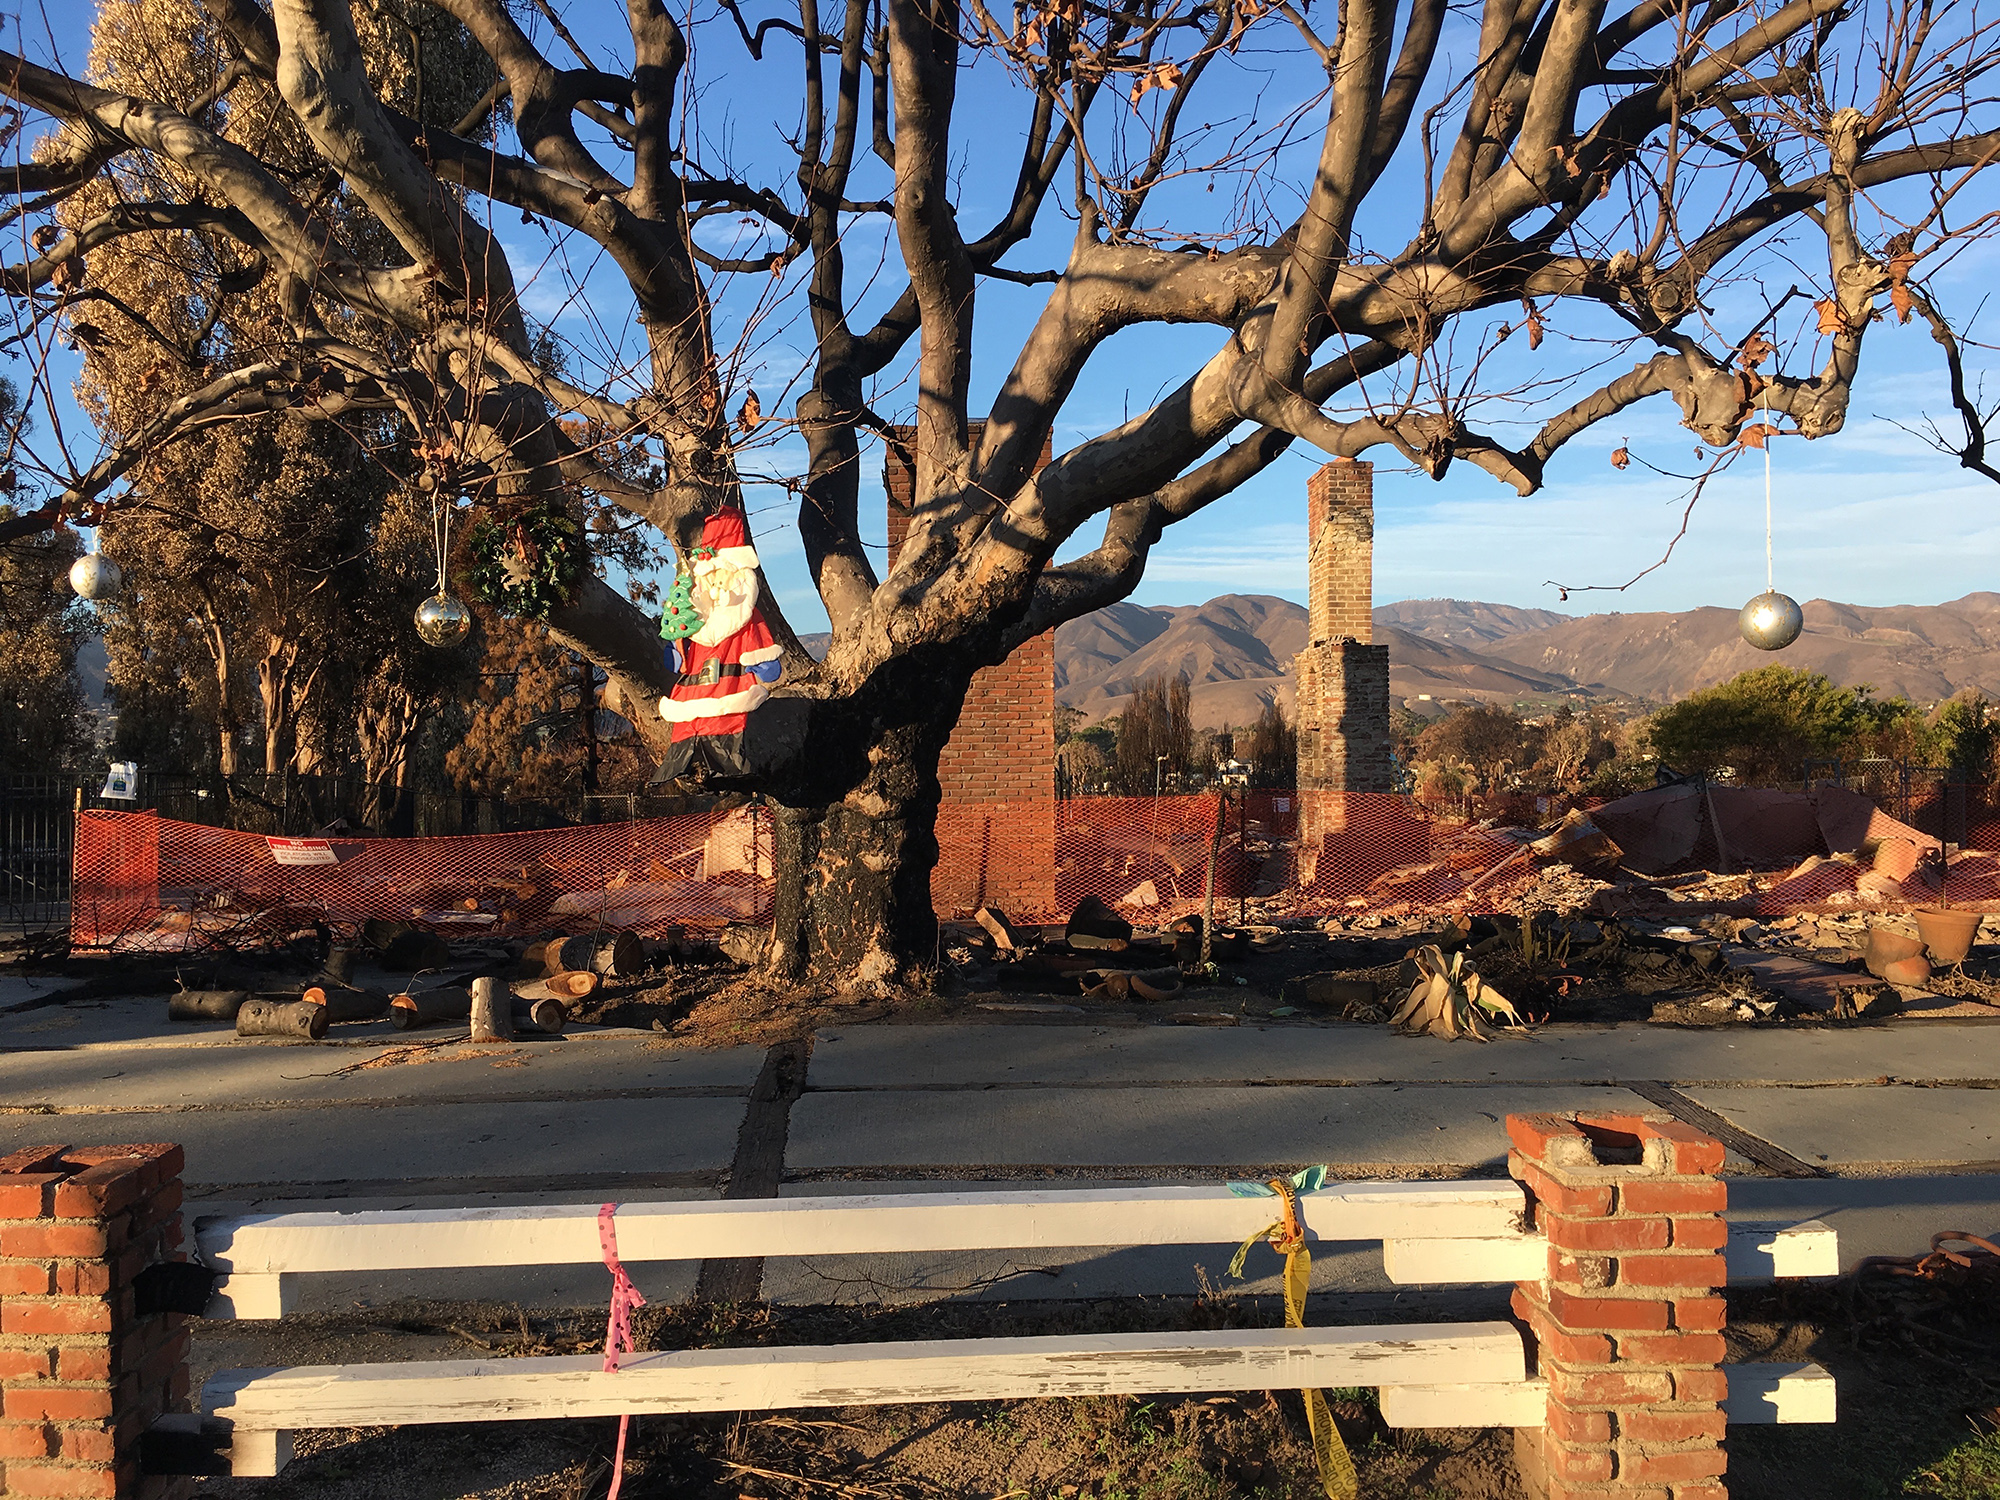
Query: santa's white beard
x=724 y=597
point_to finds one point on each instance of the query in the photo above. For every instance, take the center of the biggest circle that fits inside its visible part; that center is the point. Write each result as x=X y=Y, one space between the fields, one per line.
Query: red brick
x=1672 y=1348
x=1701 y=1385
x=1586 y=1202
x=1608 y=1234
x=89 y=1445
x=1588 y=1465
x=1701 y=1492
x=1578 y=1426
x=1689 y=1463
x=83 y=1362
x=24 y=1364
x=1690 y=1151
x=160 y=1207
x=83 y=1278
x=78 y=1316
x=55 y=1404
x=1700 y=1234
x=1704 y=1195
x=1673 y=1270
x=47 y=1240
x=95 y=1192
x=1532 y=1134
x=33 y=1159
x=1574 y=1348
x=1701 y=1314
x=68 y=1481
x=1672 y=1426
x=25 y=1278
x=26 y=1196
x=1621 y=1387
x=1608 y=1313
x=26 y=1440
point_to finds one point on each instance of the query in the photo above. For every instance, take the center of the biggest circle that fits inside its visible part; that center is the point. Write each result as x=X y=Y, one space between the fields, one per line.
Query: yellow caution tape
x=1288 y=1237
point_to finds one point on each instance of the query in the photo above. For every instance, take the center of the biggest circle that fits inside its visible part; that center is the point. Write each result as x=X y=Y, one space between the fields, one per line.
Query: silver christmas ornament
x=442 y=620
x=1771 y=621
x=95 y=577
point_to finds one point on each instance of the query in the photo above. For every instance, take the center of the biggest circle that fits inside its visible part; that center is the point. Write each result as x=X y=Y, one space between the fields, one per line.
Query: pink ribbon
x=618 y=1331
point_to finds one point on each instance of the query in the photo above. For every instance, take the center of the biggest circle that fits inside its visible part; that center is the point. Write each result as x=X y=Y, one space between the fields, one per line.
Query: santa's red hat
x=727 y=535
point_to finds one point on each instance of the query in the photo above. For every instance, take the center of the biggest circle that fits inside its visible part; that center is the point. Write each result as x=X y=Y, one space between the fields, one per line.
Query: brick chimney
x=1343 y=677
x=996 y=828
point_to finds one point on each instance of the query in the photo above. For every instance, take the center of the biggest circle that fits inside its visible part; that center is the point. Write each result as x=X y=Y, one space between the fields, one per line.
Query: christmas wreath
x=527 y=563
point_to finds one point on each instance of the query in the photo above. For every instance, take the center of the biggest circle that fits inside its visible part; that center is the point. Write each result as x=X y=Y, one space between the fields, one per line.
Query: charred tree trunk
x=853 y=895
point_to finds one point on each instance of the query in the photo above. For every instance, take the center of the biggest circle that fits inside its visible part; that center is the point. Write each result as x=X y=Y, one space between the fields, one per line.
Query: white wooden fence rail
x=1436 y=1374
x=1431 y=1232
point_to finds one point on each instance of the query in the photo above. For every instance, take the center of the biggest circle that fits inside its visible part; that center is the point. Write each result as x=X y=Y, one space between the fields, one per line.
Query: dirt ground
x=1918 y=1367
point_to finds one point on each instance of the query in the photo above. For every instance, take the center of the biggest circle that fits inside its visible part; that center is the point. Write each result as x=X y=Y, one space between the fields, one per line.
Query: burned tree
x=1607 y=174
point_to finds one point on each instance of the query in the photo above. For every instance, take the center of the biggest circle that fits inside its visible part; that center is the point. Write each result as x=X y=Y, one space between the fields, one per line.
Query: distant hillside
x=1237 y=654
x=1918 y=651
x=1464 y=622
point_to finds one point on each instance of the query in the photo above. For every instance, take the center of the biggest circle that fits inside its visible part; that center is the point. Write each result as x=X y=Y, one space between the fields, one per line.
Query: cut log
x=1094 y=925
x=568 y=986
x=344 y=1002
x=339 y=966
x=206 y=1005
x=492 y=1011
x=547 y=1016
x=622 y=955
x=1005 y=934
x=281 y=1018
x=428 y=1007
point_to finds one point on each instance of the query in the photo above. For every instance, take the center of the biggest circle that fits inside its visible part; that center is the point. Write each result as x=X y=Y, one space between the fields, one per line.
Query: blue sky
x=1870 y=516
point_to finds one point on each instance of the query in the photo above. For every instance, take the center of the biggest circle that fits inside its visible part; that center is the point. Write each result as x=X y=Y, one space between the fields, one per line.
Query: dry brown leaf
x=1620 y=458
x=1901 y=298
x=1756 y=349
x=1537 y=325
x=1830 y=320
x=1755 y=434
x=750 y=415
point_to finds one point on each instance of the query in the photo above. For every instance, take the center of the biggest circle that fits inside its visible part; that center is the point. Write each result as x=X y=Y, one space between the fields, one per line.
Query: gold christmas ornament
x=96 y=577
x=443 y=621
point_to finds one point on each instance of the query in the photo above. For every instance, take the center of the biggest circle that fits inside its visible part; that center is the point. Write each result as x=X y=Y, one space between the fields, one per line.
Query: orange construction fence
x=143 y=882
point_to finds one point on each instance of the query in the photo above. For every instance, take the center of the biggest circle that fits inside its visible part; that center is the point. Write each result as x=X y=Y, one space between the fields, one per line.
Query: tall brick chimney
x=996 y=828
x=1343 y=677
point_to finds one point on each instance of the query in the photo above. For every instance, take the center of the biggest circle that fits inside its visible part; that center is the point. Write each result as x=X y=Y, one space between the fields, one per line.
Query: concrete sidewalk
x=1904 y=1121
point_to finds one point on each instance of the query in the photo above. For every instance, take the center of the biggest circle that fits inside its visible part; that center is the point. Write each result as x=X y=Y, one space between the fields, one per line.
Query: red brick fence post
x=1627 y=1329
x=86 y=1364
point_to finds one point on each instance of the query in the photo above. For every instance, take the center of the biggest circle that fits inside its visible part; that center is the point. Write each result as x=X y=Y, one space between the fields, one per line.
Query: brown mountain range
x=1237 y=651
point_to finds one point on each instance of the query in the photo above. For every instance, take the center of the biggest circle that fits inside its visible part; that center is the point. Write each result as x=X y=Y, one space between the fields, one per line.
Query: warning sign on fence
x=302 y=851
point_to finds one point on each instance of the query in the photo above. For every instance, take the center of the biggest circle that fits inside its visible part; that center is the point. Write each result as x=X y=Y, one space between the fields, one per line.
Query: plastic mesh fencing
x=146 y=883
x=149 y=883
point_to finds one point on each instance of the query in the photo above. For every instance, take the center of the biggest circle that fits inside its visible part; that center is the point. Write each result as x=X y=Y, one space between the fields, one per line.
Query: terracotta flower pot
x=1948 y=934
x=1886 y=947
x=1913 y=972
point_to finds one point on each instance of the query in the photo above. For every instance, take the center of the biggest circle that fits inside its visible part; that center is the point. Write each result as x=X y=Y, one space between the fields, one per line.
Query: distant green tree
x=1763 y=725
x=1966 y=731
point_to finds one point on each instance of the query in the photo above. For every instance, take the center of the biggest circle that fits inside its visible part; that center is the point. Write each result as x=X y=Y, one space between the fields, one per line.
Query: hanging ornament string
x=1770 y=573
x=441 y=529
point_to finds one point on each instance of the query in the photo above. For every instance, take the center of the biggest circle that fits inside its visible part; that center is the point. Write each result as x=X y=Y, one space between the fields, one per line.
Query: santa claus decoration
x=720 y=650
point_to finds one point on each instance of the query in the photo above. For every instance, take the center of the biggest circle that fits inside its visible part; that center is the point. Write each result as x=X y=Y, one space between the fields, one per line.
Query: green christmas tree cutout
x=678 y=616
